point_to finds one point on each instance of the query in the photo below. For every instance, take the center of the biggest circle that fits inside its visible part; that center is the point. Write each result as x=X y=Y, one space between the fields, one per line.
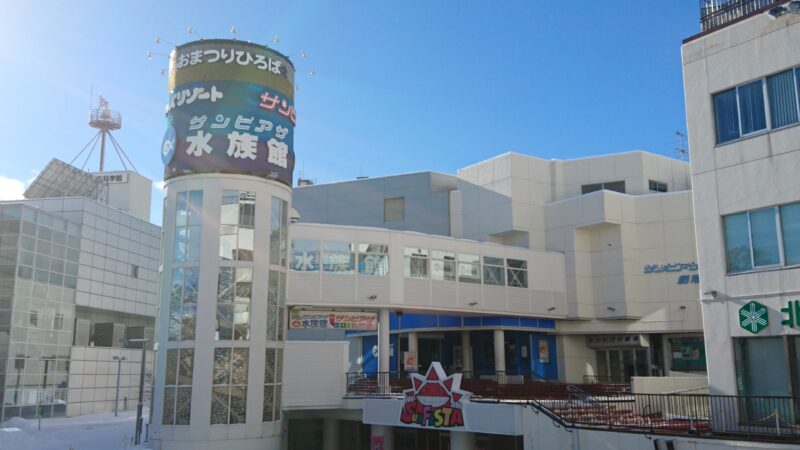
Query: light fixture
x=682 y=307
x=373 y=297
x=611 y=308
x=551 y=308
x=712 y=294
x=472 y=303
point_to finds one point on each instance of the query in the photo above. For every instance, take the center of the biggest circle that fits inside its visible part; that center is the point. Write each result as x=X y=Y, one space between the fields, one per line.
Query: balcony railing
x=614 y=407
x=718 y=13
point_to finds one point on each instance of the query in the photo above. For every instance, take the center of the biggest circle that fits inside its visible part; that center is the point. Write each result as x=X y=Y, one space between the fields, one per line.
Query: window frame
x=657 y=184
x=766 y=103
x=779 y=238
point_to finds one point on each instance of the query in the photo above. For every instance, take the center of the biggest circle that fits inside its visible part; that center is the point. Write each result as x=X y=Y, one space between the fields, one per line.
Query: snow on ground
x=100 y=431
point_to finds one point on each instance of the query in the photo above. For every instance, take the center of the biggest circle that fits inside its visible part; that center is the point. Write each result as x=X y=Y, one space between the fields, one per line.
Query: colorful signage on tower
x=231 y=110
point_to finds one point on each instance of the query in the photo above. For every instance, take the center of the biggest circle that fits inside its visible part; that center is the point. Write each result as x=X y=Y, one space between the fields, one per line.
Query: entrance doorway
x=430 y=350
x=619 y=365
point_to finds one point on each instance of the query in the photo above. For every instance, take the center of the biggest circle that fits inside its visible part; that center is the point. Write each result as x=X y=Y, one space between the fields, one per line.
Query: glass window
x=781 y=91
x=183 y=304
x=305 y=255
x=764 y=234
x=394 y=209
x=373 y=259
x=727 y=116
x=276 y=305
x=790 y=227
x=233 y=303
x=751 y=107
x=469 y=268
x=237 y=225
x=178 y=386
x=443 y=265
x=338 y=257
x=229 y=391
x=273 y=368
x=616 y=186
x=737 y=242
x=279 y=222
x=657 y=186
x=416 y=263
x=493 y=271
x=188 y=219
x=517 y=273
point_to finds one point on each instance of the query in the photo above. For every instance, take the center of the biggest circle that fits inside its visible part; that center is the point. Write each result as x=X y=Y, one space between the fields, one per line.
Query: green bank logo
x=753 y=317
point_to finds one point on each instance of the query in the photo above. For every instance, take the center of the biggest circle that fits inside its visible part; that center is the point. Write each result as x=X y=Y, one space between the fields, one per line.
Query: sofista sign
x=435 y=400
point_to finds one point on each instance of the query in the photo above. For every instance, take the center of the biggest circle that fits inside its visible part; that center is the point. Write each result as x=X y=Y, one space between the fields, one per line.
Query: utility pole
x=119 y=360
x=137 y=437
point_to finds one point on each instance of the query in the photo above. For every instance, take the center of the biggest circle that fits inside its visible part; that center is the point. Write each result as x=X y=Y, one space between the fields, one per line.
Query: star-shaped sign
x=435 y=388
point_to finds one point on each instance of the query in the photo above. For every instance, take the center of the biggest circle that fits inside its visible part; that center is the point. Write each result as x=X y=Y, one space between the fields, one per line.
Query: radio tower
x=105 y=120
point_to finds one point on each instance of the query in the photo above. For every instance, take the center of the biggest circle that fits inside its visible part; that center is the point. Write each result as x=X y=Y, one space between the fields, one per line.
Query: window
x=273 y=371
x=443 y=265
x=782 y=97
x=657 y=186
x=373 y=259
x=187 y=226
x=234 y=293
x=469 y=268
x=276 y=305
x=790 y=225
x=394 y=209
x=616 y=186
x=305 y=256
x=279 y=220
x=493 y=271
x=517 y=273
x=178 y=386
x=416 y=263
x=338 y=257
x=753 y=239
x=229 y=390
x=740 y=111
x=237 y=225
x=752 y=113
x=134 y=271
x=183 y=304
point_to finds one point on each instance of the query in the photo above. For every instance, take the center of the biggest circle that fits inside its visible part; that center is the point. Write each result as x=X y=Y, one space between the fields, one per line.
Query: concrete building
x=740 y=78
x=79 y=275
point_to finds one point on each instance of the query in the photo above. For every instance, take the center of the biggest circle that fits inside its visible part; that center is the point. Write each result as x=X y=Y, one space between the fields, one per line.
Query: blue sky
x=399 y=86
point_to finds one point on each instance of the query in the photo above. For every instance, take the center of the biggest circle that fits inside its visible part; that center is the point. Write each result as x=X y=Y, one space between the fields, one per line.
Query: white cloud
x=159 y=185
x=11 y=188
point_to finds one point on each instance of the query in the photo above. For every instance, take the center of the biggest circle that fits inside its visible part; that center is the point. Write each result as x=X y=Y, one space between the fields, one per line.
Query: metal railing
x=614 y=407
x=717 y=13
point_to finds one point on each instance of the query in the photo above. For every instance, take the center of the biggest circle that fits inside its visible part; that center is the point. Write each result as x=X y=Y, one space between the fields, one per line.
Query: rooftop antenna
x=105 y=120
x=682 y=150
x=160 y=40
x=233 y=32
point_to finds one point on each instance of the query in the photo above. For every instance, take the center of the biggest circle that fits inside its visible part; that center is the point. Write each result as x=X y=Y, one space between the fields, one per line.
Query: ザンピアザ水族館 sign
x=230 y=110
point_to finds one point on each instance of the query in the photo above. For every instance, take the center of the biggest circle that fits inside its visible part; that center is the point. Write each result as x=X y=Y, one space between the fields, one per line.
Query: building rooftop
x=717 y=14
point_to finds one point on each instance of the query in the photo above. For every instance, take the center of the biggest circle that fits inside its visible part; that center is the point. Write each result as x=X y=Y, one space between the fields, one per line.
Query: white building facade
x=741 y=102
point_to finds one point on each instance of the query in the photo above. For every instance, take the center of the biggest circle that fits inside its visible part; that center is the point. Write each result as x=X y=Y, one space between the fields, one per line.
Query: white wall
x=314 y=374
x=747 y=174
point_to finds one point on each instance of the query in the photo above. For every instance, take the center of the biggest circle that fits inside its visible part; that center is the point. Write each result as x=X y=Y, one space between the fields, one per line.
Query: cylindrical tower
x=228 y=159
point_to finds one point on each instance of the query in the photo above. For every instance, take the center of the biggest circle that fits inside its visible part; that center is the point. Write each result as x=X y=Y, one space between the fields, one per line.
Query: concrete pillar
x=387 y=433
x=330 y=434
x=499 y=351
x=462 y=440
x=413 y=344
x=466 y=347
x=383 y=341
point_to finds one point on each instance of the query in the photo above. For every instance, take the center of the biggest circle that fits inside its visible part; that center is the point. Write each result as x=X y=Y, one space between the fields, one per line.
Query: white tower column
x=466 y=348
x=413 y=343
x=384 y=431
x=463 y=440
x=499 y=351
x=330 y=434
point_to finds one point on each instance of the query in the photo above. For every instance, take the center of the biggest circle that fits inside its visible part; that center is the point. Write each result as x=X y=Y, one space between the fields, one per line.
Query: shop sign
x=753 y=317
x=333 y=320
x=435 y=400
x=544 y=351
x=410 y=361
x=674 y=268
x=793 y=311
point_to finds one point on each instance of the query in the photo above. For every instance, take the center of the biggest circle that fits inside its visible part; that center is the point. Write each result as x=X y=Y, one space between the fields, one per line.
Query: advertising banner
x=230 y=110
x=333 y=320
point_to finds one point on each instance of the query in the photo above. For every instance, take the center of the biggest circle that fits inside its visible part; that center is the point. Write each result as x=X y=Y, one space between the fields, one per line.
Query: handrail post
x=777 y=421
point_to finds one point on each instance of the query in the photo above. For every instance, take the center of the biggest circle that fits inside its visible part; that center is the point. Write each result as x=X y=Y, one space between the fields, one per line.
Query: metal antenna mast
x=105 y=120
x=682 y=150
